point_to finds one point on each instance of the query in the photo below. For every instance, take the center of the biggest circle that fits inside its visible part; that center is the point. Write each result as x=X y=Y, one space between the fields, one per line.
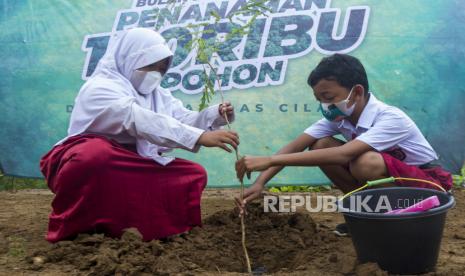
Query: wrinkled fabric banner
x=412 y=50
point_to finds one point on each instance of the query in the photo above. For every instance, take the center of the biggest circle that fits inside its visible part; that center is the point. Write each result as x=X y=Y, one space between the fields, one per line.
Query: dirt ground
x=298 y=244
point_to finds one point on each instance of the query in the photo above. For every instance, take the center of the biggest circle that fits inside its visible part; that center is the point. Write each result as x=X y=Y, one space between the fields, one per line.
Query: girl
x=111 y=172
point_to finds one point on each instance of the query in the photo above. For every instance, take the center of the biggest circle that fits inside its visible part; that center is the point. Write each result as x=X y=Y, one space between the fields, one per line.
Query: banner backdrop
x=413 y=52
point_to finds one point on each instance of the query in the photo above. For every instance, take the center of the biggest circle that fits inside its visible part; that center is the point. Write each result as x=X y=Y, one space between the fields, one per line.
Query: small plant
x=205 y=50
x=459 y=180
x=299 y=189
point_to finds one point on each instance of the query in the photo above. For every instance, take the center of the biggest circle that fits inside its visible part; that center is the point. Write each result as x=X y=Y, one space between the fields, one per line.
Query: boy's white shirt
x=108 y=104
x=384 y=128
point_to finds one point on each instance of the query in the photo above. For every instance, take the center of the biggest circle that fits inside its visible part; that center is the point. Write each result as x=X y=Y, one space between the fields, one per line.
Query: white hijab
x=128 y=51
x=108 y=103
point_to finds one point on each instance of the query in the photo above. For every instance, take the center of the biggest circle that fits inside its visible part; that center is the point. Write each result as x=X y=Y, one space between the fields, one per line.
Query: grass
x=459 y=180
x=16 y=246
x=12 y=183
x=296 y=189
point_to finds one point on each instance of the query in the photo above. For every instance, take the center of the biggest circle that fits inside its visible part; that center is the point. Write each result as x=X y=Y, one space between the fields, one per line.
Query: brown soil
x=279 y=244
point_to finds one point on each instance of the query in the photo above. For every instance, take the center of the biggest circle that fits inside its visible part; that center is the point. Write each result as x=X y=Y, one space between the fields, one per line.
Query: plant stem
x=236 y=150
x=244 y=244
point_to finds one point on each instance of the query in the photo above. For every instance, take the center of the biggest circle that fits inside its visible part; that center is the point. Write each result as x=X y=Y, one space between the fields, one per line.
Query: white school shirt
x=383 y=127
x=109 y=105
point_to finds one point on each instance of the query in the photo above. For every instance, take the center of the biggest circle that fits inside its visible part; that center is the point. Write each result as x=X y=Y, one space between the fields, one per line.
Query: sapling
x=205 y=49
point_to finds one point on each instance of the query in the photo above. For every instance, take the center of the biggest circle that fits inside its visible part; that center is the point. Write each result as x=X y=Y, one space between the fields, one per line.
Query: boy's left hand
x=227 y=108
x=248 y=164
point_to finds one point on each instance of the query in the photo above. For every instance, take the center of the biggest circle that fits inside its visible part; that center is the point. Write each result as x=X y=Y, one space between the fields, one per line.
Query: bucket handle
x=391 y=180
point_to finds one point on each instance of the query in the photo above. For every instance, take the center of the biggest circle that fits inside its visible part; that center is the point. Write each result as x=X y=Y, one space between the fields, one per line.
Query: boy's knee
x=326 y=142
x=368 y=166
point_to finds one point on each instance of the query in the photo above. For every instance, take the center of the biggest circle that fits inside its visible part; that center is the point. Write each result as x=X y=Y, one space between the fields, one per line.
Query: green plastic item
x=381 y=181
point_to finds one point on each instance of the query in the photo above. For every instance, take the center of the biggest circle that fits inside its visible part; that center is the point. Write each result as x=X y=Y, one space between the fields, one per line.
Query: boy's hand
x=250 y=194
x=248 y=164
x=219 y=138
x=227 y=108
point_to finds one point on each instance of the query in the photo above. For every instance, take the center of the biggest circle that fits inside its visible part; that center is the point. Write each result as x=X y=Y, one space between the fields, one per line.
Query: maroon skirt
x=436 y=174
x=101 y=186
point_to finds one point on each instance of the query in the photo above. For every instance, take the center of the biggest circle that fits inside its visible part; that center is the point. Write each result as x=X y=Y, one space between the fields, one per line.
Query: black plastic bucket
x=400 y=243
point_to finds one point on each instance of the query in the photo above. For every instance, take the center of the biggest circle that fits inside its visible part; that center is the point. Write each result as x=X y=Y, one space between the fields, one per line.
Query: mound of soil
x=276 y=243
x=24 y=251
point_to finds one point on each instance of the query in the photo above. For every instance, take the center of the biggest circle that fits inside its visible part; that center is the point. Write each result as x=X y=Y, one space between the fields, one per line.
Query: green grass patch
x=459 y=180
x=299 y=189
x=11 y=183
x=16 y=246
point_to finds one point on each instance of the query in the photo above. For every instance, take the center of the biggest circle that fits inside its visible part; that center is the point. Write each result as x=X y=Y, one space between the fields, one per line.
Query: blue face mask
x=336 y=112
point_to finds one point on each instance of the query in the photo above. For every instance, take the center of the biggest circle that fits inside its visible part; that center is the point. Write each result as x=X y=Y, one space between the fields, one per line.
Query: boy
x=382 y=140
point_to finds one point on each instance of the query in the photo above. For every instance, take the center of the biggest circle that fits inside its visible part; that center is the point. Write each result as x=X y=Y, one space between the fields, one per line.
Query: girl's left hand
x=227 y=108
x=248 y=164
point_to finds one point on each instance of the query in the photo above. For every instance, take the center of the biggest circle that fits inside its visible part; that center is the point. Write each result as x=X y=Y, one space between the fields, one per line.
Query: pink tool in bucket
x=424 y=205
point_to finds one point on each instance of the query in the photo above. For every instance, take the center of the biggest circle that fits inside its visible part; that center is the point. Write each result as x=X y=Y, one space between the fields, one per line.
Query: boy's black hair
x=346 y=70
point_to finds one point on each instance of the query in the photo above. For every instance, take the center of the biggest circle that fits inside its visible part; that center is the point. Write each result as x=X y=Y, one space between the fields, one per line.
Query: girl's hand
x=248 y=164
x=219 y=138
x=227 y=108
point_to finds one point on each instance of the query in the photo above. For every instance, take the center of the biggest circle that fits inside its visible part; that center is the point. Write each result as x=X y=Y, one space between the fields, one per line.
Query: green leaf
x=274 y=190
x=216 y=15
